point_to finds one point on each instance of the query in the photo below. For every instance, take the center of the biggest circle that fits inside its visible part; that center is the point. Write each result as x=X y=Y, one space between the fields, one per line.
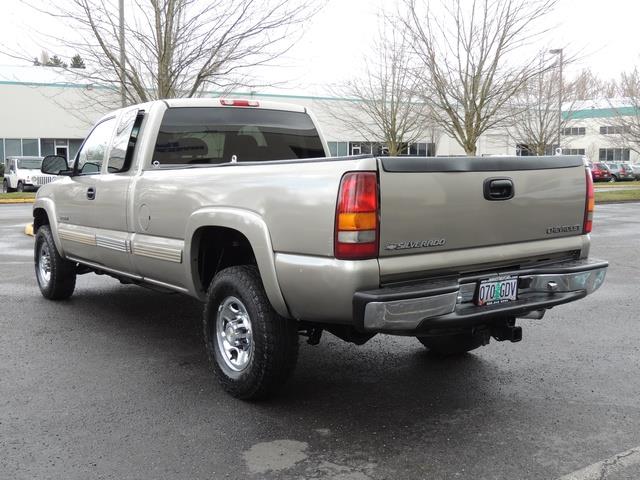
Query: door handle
x=91 y=193
x=498 y=189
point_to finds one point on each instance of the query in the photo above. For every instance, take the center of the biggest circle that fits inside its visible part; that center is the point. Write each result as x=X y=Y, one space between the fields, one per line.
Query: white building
x=45 y=110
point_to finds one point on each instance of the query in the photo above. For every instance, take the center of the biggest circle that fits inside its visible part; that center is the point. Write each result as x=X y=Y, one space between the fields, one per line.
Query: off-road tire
x=62 y=279
x=5 y=186
x=275 y=339
x=20 y=187
x=451 y=345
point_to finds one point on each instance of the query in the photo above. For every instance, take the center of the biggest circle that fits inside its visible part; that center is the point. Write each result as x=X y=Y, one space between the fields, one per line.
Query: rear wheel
x=449 y=345
x=56 y=276
x=251 y=348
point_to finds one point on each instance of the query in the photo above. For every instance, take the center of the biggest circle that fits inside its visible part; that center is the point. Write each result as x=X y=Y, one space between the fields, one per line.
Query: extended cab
x=237 y=203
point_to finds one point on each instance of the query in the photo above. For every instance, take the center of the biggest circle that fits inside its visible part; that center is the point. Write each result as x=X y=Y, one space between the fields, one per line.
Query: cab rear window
x=211 y=135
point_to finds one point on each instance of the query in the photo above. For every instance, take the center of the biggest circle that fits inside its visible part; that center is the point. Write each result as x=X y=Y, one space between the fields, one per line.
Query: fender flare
x=254 y=228
x=49 y=207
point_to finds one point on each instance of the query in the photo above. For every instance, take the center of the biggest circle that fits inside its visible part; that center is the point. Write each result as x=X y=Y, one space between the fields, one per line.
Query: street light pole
x=123 y=98
x=559 y=51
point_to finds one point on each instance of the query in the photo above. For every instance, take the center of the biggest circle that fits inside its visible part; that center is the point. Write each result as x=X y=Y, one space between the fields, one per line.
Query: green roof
x=601 y=113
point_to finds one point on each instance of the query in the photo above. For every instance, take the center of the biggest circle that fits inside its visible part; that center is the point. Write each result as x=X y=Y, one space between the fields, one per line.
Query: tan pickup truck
x=237 y=203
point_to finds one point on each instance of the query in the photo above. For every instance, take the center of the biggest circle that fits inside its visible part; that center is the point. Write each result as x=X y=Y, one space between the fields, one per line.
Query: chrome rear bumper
x=448 y=303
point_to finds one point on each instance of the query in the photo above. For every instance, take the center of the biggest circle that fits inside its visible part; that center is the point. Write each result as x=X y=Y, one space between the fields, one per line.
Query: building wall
x=36 y=114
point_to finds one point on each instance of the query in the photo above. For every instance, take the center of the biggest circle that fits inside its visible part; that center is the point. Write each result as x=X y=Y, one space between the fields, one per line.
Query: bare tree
x=177 y=48
x=624 y=128
x=469 y=52
x=588 y=86
x=382 y=104
x=535 y=123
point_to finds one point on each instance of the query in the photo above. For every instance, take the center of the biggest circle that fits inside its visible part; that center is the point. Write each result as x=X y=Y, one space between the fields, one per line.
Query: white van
x=23 y=173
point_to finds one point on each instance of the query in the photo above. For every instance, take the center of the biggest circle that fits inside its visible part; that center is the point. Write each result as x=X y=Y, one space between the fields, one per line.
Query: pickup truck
x=238 y=203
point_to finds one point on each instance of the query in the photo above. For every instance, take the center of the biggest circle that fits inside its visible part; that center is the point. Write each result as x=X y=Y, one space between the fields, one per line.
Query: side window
x=118 y=154
x=92 y=153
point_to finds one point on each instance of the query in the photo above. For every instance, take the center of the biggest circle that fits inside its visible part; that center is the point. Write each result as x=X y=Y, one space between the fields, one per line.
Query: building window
x=614 y=129
x=46 y=146
x=574 y=131
x=74 y=146
x=1 y=150
x=356 y=149
x=13 y=147
x=573 y=151
x=613 y=154
x=30 y=147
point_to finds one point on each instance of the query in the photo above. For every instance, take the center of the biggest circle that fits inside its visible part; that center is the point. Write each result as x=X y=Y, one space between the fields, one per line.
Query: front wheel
x=20 y=187
x=614 y=179
x=450 y=345
x=5 y=186
x=251 y=348
x=56 y=276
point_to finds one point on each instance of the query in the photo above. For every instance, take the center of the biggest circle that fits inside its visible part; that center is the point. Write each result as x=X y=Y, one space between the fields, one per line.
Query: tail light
x=589 y=204
x=357 y=224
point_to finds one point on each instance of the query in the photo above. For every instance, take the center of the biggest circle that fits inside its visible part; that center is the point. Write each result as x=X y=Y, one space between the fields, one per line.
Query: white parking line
x=601 y=470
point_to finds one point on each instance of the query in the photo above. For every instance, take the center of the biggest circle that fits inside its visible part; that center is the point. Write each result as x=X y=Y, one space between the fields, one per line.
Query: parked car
x=620 y=171
x=239 y=204
x=636 y=170
x=600 y=172
x=23 y=173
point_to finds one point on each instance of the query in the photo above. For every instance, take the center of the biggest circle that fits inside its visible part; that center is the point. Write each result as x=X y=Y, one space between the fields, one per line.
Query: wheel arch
x=44 y=214
x=232 y=225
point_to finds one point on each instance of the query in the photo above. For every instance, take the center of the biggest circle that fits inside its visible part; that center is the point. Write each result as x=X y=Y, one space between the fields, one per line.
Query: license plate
x=497 y=290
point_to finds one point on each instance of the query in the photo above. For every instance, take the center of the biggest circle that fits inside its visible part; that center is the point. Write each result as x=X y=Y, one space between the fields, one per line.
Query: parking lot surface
x=114 y=384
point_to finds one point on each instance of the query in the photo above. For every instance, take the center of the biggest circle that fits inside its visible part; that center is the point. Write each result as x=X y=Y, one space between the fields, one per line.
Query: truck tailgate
x=438 y=204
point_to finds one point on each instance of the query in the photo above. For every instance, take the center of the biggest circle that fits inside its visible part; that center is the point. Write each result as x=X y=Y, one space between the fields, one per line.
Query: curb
x=28 y=229
x=8 y=201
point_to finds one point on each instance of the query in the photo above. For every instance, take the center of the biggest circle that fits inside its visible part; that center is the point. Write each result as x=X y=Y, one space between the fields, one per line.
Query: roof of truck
x=217 y=102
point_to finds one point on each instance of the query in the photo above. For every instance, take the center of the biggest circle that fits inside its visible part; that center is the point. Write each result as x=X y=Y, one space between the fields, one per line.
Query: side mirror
x=55 y=165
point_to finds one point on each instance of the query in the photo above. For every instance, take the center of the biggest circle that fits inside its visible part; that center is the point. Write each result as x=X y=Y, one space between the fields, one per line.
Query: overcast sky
x=603 y=32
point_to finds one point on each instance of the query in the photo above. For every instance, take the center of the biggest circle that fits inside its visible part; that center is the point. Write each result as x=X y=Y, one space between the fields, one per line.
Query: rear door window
x=210 y=135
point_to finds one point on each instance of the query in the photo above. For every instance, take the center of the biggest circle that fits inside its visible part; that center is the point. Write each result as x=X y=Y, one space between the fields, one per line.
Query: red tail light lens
x=589 y=204
x=357 y=232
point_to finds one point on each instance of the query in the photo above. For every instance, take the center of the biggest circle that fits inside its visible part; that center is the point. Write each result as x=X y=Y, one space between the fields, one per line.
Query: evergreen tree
x=77 y=62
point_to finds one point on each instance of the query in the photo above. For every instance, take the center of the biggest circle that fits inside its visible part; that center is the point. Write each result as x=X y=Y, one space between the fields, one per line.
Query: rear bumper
x=448 y=303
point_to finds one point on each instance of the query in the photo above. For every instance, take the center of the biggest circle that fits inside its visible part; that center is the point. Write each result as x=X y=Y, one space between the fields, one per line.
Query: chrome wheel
x=44 y=264
x=234 y=334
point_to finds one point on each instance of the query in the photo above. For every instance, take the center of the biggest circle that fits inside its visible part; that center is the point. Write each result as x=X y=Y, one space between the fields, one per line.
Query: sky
x=603 y=34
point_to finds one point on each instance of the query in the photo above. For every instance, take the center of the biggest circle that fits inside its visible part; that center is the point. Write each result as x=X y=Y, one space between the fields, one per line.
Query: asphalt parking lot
x=114 y=384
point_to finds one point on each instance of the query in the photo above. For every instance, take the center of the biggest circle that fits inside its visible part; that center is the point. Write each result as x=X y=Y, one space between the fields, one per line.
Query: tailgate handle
x=498 y=189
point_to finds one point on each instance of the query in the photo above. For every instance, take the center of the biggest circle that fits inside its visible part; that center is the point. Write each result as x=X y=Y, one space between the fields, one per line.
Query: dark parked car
x=600 y=172
x=620 y=171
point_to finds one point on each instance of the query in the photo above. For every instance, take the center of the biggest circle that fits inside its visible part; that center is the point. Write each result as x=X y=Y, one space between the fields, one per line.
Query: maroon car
x=600 y=172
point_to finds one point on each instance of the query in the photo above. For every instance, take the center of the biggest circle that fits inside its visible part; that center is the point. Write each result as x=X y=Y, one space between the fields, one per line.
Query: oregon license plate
x=497 y=290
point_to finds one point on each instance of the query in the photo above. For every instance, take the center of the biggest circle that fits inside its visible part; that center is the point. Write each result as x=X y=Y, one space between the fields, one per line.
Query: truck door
x=76 y=203
x=112 y=221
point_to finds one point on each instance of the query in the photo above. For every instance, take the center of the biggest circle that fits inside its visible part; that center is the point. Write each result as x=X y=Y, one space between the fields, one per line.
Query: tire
x=614 y=179
x=263 y=350
x=451 y=345
x=20 y=187
x=56 y=276
x=5 y=186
